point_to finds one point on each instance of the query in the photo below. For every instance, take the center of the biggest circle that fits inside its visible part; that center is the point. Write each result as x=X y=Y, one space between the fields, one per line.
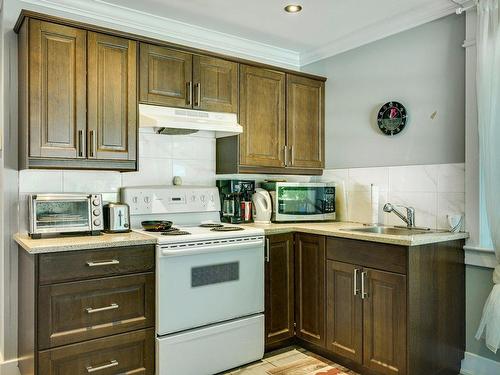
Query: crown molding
x=125 y=19
x=381 y=29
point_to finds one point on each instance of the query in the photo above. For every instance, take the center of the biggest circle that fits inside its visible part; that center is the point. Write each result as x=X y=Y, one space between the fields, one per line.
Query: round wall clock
x=392 y=118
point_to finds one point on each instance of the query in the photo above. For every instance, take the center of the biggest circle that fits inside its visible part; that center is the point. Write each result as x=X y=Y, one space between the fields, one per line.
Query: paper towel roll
x=340 y=201
x=374 y=194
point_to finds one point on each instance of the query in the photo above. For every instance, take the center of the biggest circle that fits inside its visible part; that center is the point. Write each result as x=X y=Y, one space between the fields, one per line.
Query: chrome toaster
x=116 y=218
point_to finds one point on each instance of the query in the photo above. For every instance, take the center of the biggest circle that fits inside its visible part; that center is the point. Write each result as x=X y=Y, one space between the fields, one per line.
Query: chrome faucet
x=409 y=219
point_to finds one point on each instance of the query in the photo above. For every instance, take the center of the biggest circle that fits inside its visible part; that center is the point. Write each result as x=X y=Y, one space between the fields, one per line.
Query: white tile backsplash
x=91 y=181
x=40 y=181
x=433 y=190
x=421 y=178
x=194 y=172
x=194 y=148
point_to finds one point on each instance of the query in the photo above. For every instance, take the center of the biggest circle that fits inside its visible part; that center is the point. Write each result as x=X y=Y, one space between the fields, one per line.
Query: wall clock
x=392 y=118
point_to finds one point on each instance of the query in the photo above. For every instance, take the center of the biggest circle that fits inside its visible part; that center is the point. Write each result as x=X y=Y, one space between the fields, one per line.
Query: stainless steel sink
x=396 y=231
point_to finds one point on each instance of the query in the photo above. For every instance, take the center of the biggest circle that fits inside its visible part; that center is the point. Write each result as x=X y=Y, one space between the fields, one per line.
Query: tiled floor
x=292 y=361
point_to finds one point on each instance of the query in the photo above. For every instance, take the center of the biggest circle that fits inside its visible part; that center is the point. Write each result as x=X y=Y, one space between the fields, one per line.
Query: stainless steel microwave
x=298 y=201
x=65 y=213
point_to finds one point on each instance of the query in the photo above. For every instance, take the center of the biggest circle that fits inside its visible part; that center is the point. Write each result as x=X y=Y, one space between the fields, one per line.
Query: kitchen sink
x=396 y=231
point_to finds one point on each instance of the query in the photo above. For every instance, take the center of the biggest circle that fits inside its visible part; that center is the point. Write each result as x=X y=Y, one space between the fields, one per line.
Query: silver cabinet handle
x=364 y=293
x=189 y=93
x=286 y=155
x=92 y=143
x=197 y=99
x=355 y=286
x=268 y=255
x=111 y=363
x=91 y=310
x=103 y=263
x=80 y=143
x=292 y=157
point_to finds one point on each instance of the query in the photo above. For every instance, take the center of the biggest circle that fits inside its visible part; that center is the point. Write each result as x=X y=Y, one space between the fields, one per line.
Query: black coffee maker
x=236 y=200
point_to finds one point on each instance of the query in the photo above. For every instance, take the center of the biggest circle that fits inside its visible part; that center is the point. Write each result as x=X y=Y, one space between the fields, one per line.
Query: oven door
x=207 y=282
x=304 y=202
x=60 y=213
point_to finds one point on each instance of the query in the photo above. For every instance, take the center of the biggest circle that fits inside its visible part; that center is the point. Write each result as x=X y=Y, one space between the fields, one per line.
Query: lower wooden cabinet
x=129 y=353
x=378 y=309
x=279 y=281
x=384 y=321
x=344 y=311
x=310 y=262
x=74 y=319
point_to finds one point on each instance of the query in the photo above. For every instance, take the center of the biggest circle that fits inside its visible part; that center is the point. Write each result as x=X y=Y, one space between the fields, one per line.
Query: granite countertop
x=71 y=243
x=337 y=229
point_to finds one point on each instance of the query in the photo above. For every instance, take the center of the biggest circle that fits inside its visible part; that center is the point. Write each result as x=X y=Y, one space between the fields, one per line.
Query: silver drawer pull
x=103 y=263
x=91 y=310
x=111 y=363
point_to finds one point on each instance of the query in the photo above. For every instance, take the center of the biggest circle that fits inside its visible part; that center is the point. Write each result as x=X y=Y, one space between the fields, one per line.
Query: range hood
x=168 y=120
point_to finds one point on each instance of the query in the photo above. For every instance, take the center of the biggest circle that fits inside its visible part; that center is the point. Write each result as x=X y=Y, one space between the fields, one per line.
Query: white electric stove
x=209 y=281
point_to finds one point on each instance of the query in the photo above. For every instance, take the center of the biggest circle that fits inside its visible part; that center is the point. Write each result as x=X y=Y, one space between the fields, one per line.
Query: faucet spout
x=409 y=219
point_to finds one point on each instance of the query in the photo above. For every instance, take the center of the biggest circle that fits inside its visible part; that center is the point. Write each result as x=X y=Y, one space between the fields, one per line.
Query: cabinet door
x=112 y=97
x=165 y=76
x=57 y=90
x=215 y=84
x=310 y=288
x=262 y=115
x=305 y=122
x=279 y=307
x=344 y=311
x=384 y=313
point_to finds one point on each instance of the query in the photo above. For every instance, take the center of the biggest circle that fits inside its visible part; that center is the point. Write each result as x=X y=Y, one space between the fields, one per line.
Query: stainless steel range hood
x=169 y=120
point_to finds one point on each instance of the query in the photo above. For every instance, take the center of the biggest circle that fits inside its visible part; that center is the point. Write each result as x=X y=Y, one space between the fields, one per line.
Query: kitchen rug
x=310 y=366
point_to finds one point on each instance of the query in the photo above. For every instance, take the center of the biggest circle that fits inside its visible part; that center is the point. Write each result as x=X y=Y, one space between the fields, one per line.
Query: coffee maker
x=236 y=200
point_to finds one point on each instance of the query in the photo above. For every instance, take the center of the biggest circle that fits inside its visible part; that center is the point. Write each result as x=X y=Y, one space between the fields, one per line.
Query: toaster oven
x=65 y=213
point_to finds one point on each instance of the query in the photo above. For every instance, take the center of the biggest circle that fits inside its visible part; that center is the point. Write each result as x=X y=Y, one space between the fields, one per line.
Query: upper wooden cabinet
x=215 y=84
x=305 y=122
x=77 y=98
x=112 y=97
x=55 y=98
x=179 y=79
x=262 y=116
x=282 y=115
x=165 y=76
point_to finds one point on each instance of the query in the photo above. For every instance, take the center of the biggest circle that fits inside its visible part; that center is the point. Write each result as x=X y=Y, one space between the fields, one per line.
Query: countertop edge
x=97 y=242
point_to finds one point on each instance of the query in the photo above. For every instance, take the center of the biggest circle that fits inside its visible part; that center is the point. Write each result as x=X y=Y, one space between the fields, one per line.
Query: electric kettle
x=262 y=206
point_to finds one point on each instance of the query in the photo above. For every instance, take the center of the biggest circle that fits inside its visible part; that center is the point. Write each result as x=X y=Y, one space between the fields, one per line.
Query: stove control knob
x=147 y=199
x=193 y=198
x=97 y=212
x=97 y=222
x=202 y=198
x=96 y=202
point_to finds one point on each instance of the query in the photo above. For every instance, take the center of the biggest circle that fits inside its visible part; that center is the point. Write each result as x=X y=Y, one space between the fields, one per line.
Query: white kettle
x=262 y=206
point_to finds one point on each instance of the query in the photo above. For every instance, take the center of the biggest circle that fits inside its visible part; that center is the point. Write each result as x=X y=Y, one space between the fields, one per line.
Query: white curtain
x=488 y=98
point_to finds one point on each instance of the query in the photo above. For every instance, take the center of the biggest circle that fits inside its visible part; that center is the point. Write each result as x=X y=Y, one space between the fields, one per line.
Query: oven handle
x=229 y=246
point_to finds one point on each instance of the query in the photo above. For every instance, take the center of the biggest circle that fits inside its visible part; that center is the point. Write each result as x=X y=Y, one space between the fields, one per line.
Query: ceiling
x=259 y=29
x=265 y=21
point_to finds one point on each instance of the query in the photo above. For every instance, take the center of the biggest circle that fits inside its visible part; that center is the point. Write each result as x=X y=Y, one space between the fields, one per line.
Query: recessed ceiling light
x=293 y=8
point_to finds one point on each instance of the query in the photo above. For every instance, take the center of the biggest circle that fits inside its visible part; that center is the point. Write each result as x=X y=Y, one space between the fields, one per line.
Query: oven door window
x=62 y=214
x=215 y=274
x=301 y=200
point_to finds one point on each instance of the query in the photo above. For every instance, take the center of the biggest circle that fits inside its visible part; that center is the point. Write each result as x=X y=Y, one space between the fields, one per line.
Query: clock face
x=392 y=118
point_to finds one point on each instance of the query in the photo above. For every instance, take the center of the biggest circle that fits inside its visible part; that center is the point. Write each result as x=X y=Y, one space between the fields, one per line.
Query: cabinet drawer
x=129 y=353
x=79 y=265
x=83 y=310
x=369 y=254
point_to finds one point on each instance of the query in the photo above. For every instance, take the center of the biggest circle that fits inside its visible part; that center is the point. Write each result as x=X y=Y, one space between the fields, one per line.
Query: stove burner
x=211 y=225
x=226 y=229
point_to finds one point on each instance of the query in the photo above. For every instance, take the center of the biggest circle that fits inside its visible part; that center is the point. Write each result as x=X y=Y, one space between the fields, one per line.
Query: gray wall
x=424 y=68
x=478 y=286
